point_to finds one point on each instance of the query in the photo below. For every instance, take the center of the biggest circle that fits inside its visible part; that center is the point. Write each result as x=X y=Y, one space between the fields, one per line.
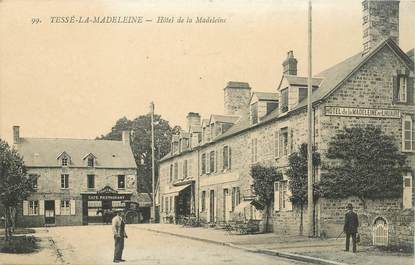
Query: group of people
x=351 y=222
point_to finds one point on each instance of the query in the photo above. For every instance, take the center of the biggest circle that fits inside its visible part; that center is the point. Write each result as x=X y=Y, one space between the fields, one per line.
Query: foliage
x=14 y=185
x=141 y=143
x=364 y=162
x=264 y=178
x=298 y=174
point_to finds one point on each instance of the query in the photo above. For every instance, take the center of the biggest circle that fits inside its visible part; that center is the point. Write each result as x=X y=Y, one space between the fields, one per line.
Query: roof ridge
x=63 y=138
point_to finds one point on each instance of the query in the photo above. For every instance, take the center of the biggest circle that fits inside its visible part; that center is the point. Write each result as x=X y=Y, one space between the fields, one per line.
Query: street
x=94 y=245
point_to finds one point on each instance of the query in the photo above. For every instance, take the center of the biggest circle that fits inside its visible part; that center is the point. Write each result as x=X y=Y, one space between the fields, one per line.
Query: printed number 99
x=36 y=20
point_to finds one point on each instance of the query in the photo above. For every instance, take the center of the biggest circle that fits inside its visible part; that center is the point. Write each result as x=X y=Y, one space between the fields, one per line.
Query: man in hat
x=351 y=223
x=118 y=229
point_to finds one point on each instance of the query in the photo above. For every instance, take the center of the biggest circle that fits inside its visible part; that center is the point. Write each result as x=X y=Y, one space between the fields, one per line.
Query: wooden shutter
x=276 y=196
x=277 y=144
x=395 y=89
x=73 y=207
x=189 y=164
x=41 y=207
x=57 y=207
x=230 y=157
x=410 y=90
x=288 y=203
x=25 y=208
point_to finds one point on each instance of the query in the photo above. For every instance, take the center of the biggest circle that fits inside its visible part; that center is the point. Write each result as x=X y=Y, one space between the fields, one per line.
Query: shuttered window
x=408 y=131
x=33 y=208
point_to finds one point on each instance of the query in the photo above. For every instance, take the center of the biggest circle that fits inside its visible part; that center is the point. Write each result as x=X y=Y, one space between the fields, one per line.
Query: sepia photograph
x=207 y=132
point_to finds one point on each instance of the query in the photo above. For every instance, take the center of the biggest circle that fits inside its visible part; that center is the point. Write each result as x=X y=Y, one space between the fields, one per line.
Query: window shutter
x=216 y=160
x=276 y=196
x=230 y=158
x=395 y=88
x=277 y=144
x=73 y=205
x=289 y=204
x=189 y=164
x=41 y=207
x=57 y=207
x=25 y=208
x=410 y=90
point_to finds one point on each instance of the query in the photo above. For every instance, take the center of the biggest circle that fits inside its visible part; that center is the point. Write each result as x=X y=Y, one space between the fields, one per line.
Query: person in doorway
x=118 y=230
x=351 y=222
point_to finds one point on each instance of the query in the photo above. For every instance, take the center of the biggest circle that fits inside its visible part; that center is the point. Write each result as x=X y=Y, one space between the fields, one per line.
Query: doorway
x=49 y=212
x=212 y=206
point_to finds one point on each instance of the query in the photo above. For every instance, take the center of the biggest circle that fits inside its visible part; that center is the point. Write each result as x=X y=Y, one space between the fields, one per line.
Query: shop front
x=99 y=207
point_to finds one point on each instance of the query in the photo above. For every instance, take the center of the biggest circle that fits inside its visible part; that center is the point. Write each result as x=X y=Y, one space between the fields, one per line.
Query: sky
x=75 y=80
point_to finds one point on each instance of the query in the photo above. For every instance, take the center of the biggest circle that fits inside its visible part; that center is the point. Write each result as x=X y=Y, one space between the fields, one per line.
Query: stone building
x=373 y=87
x=76 y=181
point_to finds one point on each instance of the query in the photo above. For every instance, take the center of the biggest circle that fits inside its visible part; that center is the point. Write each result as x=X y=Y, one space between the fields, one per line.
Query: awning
x=244 y=204
x=176 y=190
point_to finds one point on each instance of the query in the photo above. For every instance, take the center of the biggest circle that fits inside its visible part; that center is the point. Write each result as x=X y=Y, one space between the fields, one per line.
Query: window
x=91 y=162
x=283 y=145
x=65 y=207
x=254 y=113
x=176 y=170
x=254 y=151
x=227 y=157
x=33 y=179
x=284 y=100
x=203 y=201
x=212 y=161
x=185 y=173
x=271 y=106
x=64 y=181
x=408 y=137
x=282 y=196
x=402 y=88
x=64 y=161
x=91 y=181
x=302 y=93
x=33 y=208
x=166 y=204
x=171 y=172
x=121 y=181
x=203 y=164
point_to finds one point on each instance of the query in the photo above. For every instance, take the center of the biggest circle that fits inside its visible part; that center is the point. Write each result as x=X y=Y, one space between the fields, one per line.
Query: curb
x=260 y=251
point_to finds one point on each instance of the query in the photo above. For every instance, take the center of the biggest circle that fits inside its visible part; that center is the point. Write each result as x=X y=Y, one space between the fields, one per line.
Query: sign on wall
x=362 y=112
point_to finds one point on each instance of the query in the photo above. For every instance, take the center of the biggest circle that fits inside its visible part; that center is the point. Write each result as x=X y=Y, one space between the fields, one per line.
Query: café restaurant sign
x=362 y=112
x=99 y=197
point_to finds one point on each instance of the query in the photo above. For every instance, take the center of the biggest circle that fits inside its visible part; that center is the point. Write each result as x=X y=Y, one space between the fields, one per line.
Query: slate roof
x=224 y=118
x=266 y=95
x=43 y=152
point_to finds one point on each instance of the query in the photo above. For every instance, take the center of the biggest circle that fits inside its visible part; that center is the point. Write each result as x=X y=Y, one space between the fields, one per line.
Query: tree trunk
x=301 y=220
x=266 y=219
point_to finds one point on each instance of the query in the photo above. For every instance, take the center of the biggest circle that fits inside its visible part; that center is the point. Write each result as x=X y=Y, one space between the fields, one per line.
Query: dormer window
x=284 y=100
x=90 y=160
x=64 y=159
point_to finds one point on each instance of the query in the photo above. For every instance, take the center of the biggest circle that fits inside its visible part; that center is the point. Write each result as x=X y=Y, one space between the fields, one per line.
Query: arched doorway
x=380 y=232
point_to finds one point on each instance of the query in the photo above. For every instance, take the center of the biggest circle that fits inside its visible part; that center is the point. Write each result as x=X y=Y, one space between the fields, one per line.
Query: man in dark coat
x=351 y=223
x=118 y=229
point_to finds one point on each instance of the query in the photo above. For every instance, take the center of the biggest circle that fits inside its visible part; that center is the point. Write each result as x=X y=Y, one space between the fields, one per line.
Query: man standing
x=118 y=229
x=351 y=223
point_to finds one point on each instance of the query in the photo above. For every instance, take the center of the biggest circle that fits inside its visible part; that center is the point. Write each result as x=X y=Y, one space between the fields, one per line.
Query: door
x=225 y=206
x=106 y=211
x=212 y=206
x=50 y=212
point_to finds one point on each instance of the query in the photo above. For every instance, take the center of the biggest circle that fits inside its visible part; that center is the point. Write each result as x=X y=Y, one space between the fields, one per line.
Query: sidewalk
x=311 y=250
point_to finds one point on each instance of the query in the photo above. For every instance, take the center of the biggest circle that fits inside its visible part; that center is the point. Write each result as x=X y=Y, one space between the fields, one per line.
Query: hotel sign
x=362 y=112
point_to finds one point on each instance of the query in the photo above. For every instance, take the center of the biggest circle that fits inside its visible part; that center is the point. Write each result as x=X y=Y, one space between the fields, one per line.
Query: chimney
x=290 y=64
x=236 y=98
x=193 y=118
x=380 y=21
x=126 y=137
x=16 y=134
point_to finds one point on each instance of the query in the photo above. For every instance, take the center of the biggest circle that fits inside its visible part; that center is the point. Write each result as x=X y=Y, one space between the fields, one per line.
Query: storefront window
x=33 y=207
x=65 y=207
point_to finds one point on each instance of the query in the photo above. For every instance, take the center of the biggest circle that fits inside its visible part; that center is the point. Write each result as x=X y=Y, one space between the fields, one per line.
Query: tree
x=364 y=162
x=141 y=143
x=14 y=185
x=298 y=175
x=264 y=178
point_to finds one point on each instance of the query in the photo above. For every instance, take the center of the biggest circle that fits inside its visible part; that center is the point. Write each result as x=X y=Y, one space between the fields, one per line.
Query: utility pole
x=153 y=184
x=310 y=203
